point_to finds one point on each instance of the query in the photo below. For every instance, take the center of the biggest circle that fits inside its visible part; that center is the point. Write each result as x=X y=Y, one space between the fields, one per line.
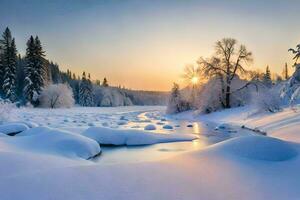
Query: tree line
x=22 y=78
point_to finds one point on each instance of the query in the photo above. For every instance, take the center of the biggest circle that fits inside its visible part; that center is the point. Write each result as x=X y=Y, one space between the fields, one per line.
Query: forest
x=34 y=80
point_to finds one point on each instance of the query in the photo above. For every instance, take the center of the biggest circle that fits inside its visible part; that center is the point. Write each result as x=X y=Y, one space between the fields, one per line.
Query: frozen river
x=79 y=119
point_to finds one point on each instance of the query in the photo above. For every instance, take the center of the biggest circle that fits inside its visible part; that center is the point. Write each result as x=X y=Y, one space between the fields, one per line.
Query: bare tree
x=228 y=61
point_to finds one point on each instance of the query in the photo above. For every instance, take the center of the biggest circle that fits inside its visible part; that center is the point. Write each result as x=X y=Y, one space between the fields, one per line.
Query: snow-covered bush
x=109 y=96
x=5 y=110
x=56 y=96
x=267 y=100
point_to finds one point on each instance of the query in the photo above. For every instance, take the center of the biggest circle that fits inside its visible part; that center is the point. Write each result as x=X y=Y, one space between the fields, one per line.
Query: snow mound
x=167 y=127
x=258 y=148
x=53 y=141
x=27 y=123
x=150 y=127
x=110 y=136
x=12 y=128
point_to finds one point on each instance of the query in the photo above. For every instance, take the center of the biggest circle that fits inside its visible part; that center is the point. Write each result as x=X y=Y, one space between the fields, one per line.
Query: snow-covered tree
x=5 y=110
x=210 y=94
x=86 y=97
x=8 y=65
x=111 y=96
x=290 y=91
x=296 y=53
x=227 y=62
x=267 y=99
x=34 y=70
x=56 y=96
x=267 y=81
x=176 y=104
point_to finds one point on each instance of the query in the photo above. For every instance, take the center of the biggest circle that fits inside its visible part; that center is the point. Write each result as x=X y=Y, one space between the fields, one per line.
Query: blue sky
x=146 y=44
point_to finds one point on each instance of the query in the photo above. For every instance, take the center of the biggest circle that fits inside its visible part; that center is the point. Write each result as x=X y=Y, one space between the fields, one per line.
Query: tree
x=176 y=104
x=227 y=63
x=285 y=72
x=34 y=70
x=191 y=76
x=86 y=97
x=57 y=96
x=98 y=82
x=290 y=92
x=296 y=53
x=105 y=82
x=267 y=81
x=5 y=110
x=8 y=62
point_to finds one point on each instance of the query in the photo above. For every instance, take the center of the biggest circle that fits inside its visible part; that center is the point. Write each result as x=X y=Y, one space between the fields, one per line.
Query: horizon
x=145 y=45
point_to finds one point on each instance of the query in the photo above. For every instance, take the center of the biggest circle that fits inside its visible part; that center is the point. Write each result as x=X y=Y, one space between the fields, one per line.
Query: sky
x=146 y=44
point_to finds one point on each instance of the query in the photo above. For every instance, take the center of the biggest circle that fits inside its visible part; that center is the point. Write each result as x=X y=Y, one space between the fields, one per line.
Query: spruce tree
x=8 y=65
x=86 y=97
x=39 y=67
x=34 y=70
x=267 y=78
x=1 y=66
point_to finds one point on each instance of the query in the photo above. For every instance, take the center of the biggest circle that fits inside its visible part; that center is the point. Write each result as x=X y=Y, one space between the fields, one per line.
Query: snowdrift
x=110 y=136
x=52 y=141
x=13 y=128
x=257 y=148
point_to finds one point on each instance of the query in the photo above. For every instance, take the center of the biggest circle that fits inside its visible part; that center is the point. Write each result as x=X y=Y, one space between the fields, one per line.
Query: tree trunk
x=227 y=97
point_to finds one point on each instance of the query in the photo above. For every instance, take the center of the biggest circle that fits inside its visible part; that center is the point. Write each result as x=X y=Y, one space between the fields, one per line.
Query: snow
x=168 y=127
x=110 y=136
x=258 y=148
x=51 y=141
x=150 y=127
x=47 y=163
x=12 y=128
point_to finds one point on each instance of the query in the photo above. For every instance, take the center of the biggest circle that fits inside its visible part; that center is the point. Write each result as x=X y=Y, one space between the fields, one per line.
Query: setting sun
x=195 y=80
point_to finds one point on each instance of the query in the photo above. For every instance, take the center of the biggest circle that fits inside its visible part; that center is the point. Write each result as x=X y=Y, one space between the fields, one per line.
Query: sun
x=194 y=80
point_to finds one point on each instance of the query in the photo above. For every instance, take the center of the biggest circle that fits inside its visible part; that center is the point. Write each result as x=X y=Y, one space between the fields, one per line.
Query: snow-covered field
x=49 y=161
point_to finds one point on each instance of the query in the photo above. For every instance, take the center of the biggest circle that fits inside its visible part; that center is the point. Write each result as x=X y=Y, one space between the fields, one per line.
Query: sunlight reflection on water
x=160 y=151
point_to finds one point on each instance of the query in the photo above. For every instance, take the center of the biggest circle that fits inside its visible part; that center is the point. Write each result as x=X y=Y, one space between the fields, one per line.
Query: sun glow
x=194 y=80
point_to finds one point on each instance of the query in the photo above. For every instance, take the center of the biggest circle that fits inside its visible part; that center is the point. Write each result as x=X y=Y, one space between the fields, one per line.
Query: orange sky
x=146 y=44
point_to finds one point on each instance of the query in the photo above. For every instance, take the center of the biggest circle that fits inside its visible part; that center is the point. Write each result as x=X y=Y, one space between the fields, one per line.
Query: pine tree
x=86 y=97
x=9 y=62
x=34 y=70
x=105 y=82
x=1 y=66
x=39 y=67
x=267 y=78
x=285 y=72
